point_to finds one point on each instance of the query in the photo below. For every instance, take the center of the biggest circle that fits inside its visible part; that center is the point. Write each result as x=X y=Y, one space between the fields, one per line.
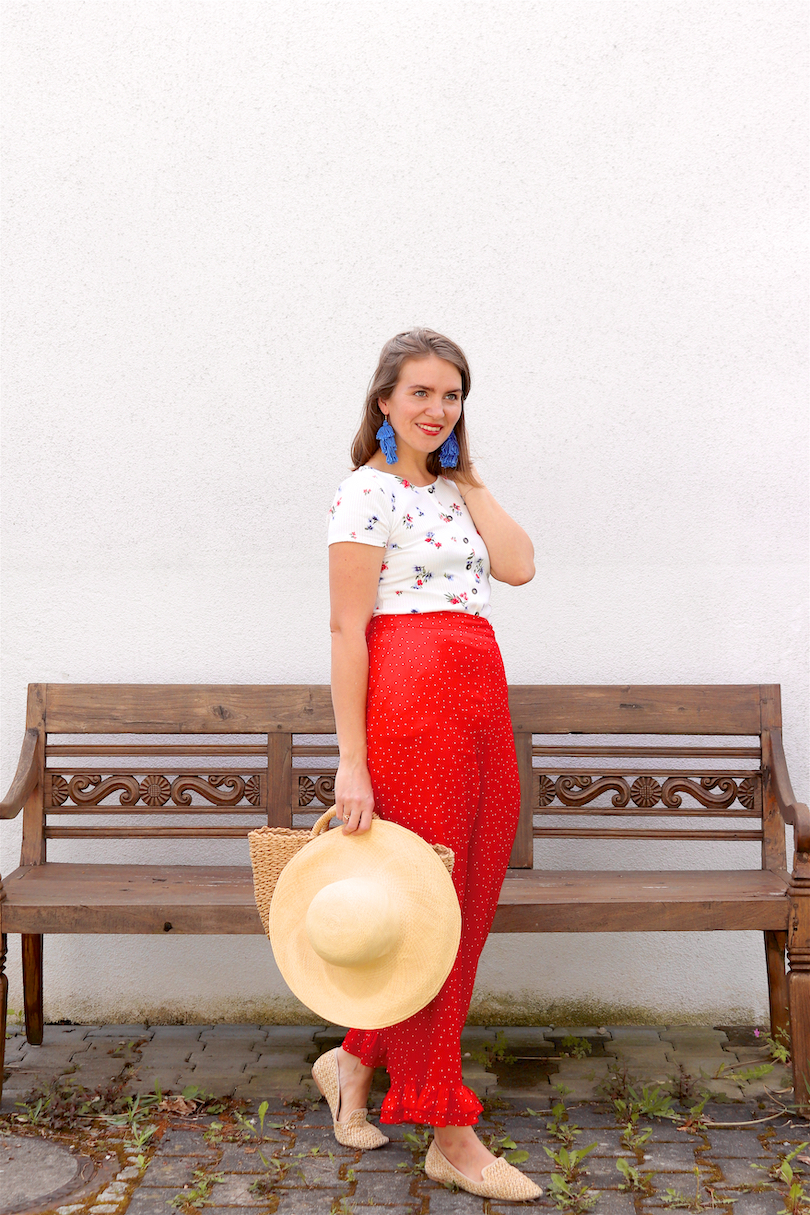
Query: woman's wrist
x=356 y=758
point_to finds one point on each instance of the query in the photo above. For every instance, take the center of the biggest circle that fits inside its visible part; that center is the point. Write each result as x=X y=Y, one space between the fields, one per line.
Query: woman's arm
x=511 y=552
x=354 y=572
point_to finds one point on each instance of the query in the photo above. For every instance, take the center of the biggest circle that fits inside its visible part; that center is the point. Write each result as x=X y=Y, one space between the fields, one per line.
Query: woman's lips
x=430 y=430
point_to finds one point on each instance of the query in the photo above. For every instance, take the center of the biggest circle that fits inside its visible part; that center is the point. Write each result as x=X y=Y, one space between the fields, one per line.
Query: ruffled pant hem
x=435 y=1105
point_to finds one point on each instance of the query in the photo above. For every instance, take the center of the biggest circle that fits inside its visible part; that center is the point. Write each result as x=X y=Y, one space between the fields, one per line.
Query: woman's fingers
x=356 y=818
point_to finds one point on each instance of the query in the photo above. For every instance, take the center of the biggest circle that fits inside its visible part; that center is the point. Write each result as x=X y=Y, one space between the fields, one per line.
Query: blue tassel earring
x=448 y=452
x=388 y=441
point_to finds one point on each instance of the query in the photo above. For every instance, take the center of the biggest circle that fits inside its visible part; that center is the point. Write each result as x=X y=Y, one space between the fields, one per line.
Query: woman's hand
x=354 y=799
x=463 y=485
x=511 y=552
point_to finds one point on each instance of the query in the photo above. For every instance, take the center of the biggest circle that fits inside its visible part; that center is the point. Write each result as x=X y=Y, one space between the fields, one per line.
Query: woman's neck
x=409 y=470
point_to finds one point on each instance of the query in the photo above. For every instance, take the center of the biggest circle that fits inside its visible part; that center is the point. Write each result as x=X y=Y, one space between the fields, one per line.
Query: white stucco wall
x=216 y=213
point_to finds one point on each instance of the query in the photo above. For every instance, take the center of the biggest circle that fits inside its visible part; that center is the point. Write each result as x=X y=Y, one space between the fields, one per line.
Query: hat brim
x=398 y=985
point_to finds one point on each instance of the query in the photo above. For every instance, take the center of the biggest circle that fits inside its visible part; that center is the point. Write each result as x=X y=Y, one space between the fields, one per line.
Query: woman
x=422 y=719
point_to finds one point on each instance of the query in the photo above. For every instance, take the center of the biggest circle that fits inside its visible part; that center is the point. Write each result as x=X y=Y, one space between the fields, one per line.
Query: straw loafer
x=498 y=1180
x=354 y=1131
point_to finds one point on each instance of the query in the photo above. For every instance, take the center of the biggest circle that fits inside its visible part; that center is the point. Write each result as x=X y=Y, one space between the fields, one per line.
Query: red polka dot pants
x=441 y=755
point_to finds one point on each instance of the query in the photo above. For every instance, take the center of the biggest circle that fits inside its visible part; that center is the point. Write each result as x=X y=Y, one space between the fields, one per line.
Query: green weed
x=491 y=1053
x=197 y=1194
x=577 y=1048
x=633 y=1178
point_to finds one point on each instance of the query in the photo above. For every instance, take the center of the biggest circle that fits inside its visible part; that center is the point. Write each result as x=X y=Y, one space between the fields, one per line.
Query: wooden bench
x=239 y=756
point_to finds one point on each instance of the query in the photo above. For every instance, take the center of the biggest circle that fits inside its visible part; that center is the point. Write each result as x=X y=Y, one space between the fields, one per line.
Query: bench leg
x=799 y=995
x=3 y=1006
x=777 y=985
x=32 y=986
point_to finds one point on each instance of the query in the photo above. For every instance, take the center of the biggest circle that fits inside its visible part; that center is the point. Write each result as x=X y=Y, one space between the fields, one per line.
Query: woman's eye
x=420 y=392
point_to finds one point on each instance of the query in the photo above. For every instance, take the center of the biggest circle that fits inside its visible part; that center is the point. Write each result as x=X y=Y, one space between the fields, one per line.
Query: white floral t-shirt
x=434 y=561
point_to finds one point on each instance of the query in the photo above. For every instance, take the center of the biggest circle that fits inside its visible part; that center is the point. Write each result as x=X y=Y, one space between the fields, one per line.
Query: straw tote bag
x=272 y=847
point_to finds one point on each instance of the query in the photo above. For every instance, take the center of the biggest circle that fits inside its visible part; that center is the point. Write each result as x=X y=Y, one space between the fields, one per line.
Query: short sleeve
x=361 y=512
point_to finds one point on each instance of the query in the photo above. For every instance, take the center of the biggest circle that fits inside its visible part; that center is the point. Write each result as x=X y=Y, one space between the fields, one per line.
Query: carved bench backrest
x=216 y=761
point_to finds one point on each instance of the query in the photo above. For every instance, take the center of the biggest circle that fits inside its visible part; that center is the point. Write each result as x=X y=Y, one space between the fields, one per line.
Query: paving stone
x=172 y=1170
x=121 y=1033
x=177 y=1033
x=751 y=1055
x=292 y=1203
x=637 y=1034
x=610 y=1202
x=235 y=1191
x=693 y=1034
x=314 y=1170
x=306 y=1138
x=385 y=1160
x=237 y=1158
x=700 y=1063
x=292 y=1057
x=185 y=1143
x=538 y=1161
x=768 y=1203
x=662 y=1156
x=392 y=1186
x=221 y=1050
x=269 y=1085
x=735 y=1143
x=128 y=1174
x=608 y=1140
x=725 y=1088
x=16 y=1048
x=590 y=1116
x=55 y=1035
x=97 y=1075
x=474 y=1036
x=145 y=1080
x=291 y=1035
x=684 y=1181
x=113 y=1192
x=104 y=1208
x=219 y=1084
x=331 y=1031
x=602 y=1170
x=318 y=1116
x=520 y=1037
x=476 y=1078
x=151 y=1202
x=642 y=1054
x=521 y=1129
x=54 y=1057
x=737 y=1171
x=445 y=1202
x=232 y=1033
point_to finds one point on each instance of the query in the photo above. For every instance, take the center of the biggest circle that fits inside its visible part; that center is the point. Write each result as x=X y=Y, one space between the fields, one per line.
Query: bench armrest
x=25 y=780
x=793 y=812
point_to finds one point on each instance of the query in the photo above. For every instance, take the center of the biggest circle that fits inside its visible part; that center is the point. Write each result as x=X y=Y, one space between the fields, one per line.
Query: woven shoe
x=354 y=1131
x=498 y=1180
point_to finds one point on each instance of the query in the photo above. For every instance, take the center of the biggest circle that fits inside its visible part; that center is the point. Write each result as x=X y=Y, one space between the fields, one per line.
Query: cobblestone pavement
x=218 y=1161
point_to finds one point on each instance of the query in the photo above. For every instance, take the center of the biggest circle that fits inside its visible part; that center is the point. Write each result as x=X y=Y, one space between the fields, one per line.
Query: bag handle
x=323 y=822
x=445 y=854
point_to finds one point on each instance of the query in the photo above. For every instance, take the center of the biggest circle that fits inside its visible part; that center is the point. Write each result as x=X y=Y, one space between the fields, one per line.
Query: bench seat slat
x=58 y=897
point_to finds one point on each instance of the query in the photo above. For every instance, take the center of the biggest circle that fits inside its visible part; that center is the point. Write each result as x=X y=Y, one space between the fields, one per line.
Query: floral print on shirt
x=434 y=559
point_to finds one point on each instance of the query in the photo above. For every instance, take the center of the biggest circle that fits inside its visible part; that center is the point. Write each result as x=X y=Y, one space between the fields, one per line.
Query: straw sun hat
x=365 y=928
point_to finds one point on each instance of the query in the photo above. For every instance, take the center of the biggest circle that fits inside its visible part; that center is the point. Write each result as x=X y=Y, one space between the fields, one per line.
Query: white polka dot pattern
x=441 y=755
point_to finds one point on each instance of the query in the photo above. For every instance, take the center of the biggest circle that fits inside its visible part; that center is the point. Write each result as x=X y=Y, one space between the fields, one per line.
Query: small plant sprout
x=577 y=1048
x=197 y=1194
x=633 y=1178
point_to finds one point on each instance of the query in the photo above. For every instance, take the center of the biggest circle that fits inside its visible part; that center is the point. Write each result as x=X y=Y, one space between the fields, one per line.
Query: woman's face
x=425 y=404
